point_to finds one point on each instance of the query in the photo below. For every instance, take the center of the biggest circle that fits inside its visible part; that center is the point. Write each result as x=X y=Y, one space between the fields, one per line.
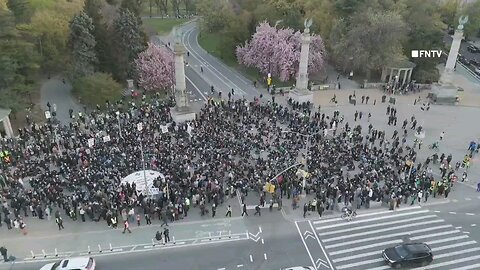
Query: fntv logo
x=426 y=53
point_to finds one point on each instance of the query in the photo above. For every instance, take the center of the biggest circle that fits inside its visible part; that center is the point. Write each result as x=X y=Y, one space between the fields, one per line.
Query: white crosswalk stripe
x=359 y=244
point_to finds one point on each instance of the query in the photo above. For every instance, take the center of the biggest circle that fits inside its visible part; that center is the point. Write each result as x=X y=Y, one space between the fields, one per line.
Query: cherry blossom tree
x=278 y=51
x=155 y=68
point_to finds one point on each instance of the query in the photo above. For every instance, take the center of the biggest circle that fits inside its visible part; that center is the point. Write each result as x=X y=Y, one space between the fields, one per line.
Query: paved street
x=358 y=244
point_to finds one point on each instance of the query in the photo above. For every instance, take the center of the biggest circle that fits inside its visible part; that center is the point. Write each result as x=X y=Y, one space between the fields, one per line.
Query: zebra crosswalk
x=358 y=244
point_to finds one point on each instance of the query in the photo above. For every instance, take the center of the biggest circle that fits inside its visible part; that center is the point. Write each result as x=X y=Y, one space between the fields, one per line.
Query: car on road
x=79 y=263
x=473 y=49
x=300 y=268
x=477 y=71
x=462 y=59
x=474 y=62
x=408 y=255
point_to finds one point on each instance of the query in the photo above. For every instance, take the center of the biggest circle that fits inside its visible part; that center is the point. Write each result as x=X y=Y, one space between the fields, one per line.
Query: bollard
x=229 y=234
x=153 y=243
x=111 y=248
x=56 y=253
x=173 y=237
x=89 y=251
x=44 y=254
x=210 y=236
x=33 y=254
x=99 y=248
x=220 y=235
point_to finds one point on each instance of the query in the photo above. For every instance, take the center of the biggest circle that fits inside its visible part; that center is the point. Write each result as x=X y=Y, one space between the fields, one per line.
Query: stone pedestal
x=130 y=84
x=8 y=127
x=182 y=111
x=446 y=77
x=301 y=92
x=444 y=94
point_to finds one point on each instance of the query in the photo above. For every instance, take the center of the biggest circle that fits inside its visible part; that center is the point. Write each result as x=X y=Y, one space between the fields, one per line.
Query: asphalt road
x=276 y=245
x=463 y=50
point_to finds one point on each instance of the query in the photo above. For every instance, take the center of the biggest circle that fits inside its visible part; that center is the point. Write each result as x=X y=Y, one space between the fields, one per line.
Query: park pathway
x=56 y=92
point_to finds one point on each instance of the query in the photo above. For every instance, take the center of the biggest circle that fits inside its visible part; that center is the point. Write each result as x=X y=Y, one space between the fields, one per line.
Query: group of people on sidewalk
x=232 y=144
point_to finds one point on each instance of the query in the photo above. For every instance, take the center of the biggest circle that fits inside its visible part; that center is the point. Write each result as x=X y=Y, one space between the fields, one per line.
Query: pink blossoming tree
x=278 y=51
x=155 y=68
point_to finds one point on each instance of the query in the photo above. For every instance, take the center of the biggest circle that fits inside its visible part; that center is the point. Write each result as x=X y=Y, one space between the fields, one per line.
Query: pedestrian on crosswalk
x=126 y=227
x=229 y=211
x=320 y=209
x=257 y=211
x=305 y=210
x=244 y=210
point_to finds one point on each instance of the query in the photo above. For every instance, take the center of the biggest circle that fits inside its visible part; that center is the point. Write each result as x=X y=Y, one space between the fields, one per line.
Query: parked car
x=79 y=263
x=473 y=49
x=408 y=255
x=474 y=63
x=462 y=59
x=477 y=71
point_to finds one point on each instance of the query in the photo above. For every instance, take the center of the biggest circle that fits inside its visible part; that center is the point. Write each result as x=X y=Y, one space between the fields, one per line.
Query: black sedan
x=408 y=255
x=474 y=63
x=462 y=59
x=473 y=49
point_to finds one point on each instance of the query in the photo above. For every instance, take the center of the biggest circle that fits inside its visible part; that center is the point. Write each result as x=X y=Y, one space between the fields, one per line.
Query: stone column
x=391 y=74
x=182 y=111
x=180 y=84
x=301 y=92
x=8 y=127
x=405 y=74
x=446 y=77
x=302 y=78
x=410 y=75
x=384 y=74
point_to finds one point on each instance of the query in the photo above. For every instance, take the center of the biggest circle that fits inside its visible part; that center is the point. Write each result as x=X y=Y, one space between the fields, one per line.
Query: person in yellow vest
x=433 y=188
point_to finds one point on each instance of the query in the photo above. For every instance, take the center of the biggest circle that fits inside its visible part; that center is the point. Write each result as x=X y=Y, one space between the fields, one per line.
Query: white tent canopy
x=139 y=179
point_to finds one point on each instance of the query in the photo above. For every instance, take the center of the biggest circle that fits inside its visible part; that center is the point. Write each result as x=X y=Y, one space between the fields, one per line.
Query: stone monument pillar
x=445 y=92
x=182 y=111
x=446 y=77
x=301 y=92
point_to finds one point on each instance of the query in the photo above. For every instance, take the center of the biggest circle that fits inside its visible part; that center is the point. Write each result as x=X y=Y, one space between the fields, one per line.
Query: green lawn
x=161 y=26
x=212 y=43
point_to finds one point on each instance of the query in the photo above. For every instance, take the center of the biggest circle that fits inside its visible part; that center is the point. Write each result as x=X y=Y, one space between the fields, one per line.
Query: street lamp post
x=140 y=128
x=307 y=146
x=119 y=126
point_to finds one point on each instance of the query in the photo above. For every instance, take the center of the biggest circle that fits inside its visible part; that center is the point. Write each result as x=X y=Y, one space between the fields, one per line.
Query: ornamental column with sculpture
x=301 y=92
x=446 y=77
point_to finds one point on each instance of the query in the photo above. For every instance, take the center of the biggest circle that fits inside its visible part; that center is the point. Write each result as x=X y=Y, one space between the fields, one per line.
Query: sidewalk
x=77 y=236
x=59 y=94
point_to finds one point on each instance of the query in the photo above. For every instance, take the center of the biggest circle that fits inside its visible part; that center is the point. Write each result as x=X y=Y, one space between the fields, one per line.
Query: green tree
x=448 y=11
x=371 y=41
x=21 y=9
x=135 y=6
x=472 y=28
x=425 y=32
x=96 y=89
x=214 y=14
x=130 y=39
x=102 y=35
x=82 y=45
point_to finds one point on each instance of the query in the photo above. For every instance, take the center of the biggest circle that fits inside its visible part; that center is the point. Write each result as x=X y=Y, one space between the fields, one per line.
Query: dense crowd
x=52 y=172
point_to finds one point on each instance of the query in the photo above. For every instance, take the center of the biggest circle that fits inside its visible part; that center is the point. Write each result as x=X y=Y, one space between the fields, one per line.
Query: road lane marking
x=455 y=245
x=342 y=259
x=447 y=239
x=196 y=87
x=473 y=266
x=355 y=264
x=380 y=230
x=453 y=213
x=470 y=214
x=459 y=227
x=436 y=211
x=265 y=256
x=377 y=225
x=306 y=247
x=372 y=219
x=321 y=246
x=434 y=234
x=438 y=265
x=263 y=242
x=392 y=242
x=473 y=225
x=239 y=265
x=251 y=258
x=373 y=213
x=346 y=243
x=468 y=199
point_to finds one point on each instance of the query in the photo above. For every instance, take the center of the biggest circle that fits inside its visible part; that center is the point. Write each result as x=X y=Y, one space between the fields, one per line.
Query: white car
x=79 y=263
x=301 y=268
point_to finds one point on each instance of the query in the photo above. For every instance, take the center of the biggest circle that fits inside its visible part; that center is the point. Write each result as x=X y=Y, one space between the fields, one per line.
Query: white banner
x=106 y=138
x=164 y=129
x=48 y=115
x=91 y=142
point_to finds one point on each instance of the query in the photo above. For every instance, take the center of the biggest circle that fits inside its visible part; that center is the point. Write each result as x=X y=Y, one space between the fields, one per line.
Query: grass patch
x=213 y=44
x=161 y=26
